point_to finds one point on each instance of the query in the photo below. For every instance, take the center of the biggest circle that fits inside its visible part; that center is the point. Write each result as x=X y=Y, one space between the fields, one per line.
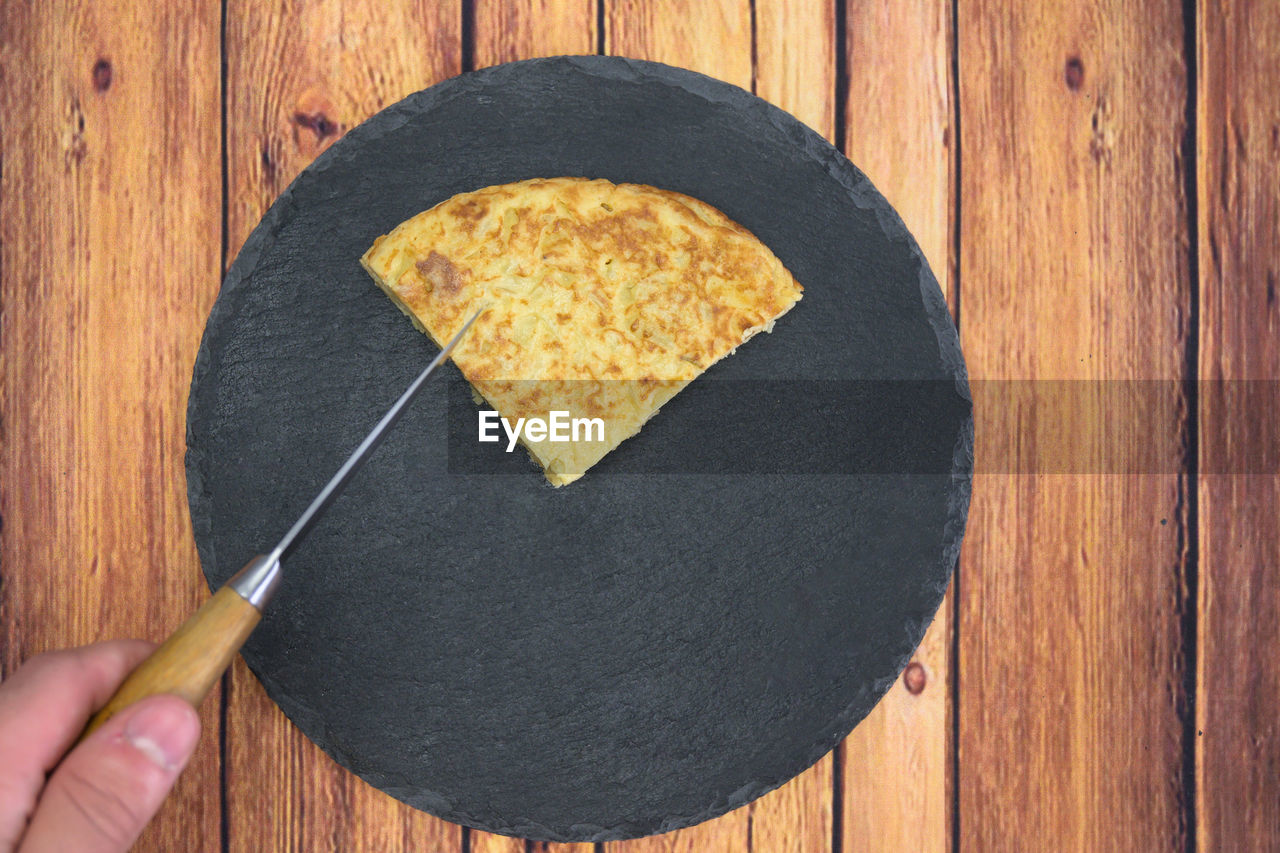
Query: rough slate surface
x=655 y=644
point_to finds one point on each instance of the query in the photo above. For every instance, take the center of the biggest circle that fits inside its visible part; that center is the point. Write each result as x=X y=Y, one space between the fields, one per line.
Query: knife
x=195 y=656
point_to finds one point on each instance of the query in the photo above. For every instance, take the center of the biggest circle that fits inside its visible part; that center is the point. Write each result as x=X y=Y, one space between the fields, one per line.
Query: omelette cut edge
x=601 y=300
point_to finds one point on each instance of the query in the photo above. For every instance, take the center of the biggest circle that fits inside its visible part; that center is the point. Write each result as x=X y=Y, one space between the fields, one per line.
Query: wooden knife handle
x=191 y=661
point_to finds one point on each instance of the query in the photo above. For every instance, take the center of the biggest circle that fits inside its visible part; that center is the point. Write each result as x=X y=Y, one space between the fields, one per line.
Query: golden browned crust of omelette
x=600 y=299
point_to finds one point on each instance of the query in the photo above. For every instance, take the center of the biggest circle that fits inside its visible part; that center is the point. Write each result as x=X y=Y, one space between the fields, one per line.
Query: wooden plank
x=301 y=75
x=712 y=37
x=715 y=39
x=796 y=60
x=298 y=77
x=895 y=764
x=899 y=131
x=508 y=30
x=488 y=842
x=1238 y=676
x=110 y=235
x=795 y=68
x=796 y=818
x=548 y=847
x=1073 y=265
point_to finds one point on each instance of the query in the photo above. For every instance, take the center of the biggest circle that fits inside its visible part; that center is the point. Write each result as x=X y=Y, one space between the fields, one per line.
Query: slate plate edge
x=861 y=192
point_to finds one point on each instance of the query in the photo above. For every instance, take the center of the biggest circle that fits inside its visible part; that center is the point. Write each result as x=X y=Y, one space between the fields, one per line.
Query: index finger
x=43 y=708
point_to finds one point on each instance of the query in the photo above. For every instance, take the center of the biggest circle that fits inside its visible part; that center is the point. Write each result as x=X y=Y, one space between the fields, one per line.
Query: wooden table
x=1096 y=184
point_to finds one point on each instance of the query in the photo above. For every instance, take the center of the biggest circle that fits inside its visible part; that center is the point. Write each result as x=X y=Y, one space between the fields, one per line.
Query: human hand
x=97 y=797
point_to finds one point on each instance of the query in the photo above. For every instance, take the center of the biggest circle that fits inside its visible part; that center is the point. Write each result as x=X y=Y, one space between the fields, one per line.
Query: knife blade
x=194 y=657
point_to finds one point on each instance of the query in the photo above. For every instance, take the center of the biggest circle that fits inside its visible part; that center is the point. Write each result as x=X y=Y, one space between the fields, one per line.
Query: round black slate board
x=697 y=620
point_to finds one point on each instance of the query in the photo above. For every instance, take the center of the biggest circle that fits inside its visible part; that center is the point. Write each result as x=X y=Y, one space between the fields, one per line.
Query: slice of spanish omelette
x=601 y=300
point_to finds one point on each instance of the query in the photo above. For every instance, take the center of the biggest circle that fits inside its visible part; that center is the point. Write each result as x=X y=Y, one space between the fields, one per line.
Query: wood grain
x=899 y=131
x=509 y=30
x=712 y=37
x=1076 y=262
x=298 y=76
x=1074 y=265
x=488 y=842
x=796 y=60
x=796 y=818
x=301 y=75
x=1238 y=696
x=109 y=247
x=795 y=68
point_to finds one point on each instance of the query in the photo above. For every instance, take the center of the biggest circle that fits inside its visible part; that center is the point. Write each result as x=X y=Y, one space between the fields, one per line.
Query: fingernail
x=165 y=731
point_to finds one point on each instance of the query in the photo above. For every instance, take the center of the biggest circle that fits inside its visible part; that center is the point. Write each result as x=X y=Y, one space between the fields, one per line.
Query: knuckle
x=106 y=813
x=45 y=660
x=58 y=662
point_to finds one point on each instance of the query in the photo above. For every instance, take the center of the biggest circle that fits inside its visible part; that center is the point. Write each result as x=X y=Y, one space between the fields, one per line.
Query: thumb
x=103 y=793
